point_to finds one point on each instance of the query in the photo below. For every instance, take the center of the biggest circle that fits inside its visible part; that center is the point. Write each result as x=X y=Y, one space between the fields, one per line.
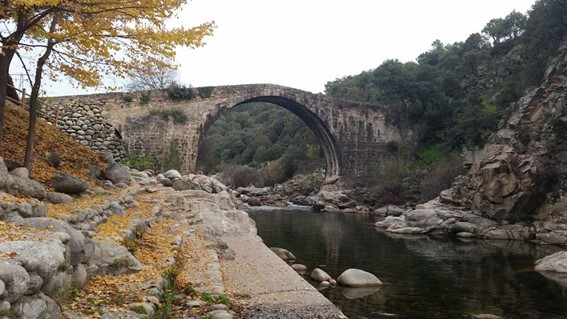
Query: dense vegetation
x=260 y=144
x=456 y=94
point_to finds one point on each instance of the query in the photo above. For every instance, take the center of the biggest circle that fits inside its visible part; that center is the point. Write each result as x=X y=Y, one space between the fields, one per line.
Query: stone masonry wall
x=83 y=120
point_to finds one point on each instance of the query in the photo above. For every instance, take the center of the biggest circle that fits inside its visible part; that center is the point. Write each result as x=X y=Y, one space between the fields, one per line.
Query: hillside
x=74 y=156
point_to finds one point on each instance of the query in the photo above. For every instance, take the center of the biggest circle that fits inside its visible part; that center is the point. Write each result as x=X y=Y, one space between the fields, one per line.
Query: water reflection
x=423 y=277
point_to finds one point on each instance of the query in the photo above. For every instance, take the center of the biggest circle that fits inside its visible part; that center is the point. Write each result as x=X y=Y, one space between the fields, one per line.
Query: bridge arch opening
x=322 y=137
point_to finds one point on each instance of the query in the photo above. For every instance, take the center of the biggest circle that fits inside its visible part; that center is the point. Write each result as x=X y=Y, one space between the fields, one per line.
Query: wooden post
x=23 y=102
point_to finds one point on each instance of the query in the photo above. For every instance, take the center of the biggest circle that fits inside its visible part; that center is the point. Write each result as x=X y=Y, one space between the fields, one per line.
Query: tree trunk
x=34 y=97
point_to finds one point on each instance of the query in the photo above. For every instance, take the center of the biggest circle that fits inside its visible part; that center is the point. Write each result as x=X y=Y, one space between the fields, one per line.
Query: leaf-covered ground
x=74 y=156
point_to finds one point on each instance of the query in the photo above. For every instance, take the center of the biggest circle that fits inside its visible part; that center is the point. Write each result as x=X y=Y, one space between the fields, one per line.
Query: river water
x=423 y=277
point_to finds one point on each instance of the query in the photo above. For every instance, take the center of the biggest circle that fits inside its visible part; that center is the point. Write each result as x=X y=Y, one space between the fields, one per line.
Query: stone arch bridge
x=353 y=135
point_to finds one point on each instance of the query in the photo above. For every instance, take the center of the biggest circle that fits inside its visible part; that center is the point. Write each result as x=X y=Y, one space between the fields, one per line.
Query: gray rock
x=117 y=173
x=553 y=263
x=163 y=180
x=36 y=306
x=53 y=159
x=43 y=258
x=358 y=278
x=6 y=180
x=59 y=198
x=16 y=280
x=68 y=184
x=4 y=307
x=107 y=157
x=389 y=210
x=113 y=259
x=2 y=287
x=220 y=314
x=283 y=253
x=390 y=221
x=299 y=267
x=320 y=275
x=172 y=174
x=21 y=172
x=80 y=247
x=27 y=188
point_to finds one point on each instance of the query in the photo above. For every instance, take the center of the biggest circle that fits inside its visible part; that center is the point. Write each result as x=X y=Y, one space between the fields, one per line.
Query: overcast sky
x=306 y=43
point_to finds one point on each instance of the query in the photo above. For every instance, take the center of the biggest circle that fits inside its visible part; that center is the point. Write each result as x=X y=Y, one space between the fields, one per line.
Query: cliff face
x=521 y=174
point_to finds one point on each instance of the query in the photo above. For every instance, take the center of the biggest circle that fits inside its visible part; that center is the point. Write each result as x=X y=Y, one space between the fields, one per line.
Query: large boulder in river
x=358 y=278
x=68 y=184
x=553 y=263
x=320 y=275
x=283 y=253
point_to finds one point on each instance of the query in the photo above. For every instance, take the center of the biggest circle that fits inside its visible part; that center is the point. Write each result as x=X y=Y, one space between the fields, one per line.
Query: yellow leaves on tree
x=116 y=38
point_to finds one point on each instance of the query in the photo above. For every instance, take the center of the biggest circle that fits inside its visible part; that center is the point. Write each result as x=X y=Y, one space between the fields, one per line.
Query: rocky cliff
x=517 y=185
x=521 y=173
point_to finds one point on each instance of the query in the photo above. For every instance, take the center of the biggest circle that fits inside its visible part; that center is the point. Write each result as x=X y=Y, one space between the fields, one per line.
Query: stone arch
x=317 y=126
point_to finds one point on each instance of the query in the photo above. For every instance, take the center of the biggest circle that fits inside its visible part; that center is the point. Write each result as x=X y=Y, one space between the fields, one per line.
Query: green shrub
x=180 y=92
x=139 y=162
x=127 y=98
x=172 y=158
x=240 y=176
x=145 y=97
x=178 y=116
x=205 y=92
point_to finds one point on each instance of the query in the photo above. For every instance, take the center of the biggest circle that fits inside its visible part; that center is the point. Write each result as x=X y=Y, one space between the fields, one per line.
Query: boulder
x=553 y=263
x=59 y=198
x=27 y=188
x=358 y=278
x=36 y=306
x=117 y=173
x=163 y=180
x=114 y=259
x=283 y=253
x=80 y=247
x=68 y=184
x=172 y=174
x=53 y=159
x=42 y=258
x=299 y=267
x=107 y=157
x=320 y=275
x=6 y=180
x=16 y=280
x=21 y=172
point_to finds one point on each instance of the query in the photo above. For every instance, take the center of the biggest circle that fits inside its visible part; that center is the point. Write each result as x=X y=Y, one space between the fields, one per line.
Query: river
x=423 y=277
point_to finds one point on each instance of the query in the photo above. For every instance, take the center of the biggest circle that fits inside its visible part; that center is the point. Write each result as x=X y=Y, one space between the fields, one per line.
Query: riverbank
x=144 y=250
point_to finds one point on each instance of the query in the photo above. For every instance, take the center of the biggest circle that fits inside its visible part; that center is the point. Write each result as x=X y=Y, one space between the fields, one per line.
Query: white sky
x=306 y=43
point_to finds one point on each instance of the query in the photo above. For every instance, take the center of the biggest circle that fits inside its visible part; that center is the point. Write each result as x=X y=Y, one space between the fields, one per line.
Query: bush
x=240 y=176
x=178 y=116
x=145 y=97
x=172 y=158
x=139 y=162
x=127 y=98
x=180 y=92
x=205 y=92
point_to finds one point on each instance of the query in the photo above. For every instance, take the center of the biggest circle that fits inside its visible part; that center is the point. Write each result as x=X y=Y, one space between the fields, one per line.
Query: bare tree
x=152 y=79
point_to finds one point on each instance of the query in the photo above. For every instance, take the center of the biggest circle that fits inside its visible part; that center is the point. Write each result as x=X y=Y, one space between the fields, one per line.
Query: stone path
x=268 y=286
